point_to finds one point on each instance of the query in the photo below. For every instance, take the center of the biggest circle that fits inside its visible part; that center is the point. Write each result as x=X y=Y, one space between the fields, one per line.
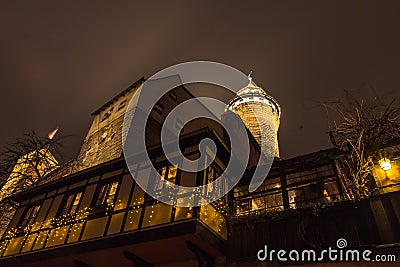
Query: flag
x=52 y=133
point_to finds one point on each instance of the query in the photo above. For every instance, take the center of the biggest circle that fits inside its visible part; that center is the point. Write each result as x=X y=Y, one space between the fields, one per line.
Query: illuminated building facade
x=260 y=113
x=33 y=164
x=96 y=215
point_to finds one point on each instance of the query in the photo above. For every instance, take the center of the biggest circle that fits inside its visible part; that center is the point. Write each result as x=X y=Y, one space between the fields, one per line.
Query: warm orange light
x=385 y=164
x=51 y=134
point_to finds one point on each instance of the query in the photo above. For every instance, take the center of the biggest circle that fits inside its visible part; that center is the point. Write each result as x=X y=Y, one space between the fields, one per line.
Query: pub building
x=90 y=212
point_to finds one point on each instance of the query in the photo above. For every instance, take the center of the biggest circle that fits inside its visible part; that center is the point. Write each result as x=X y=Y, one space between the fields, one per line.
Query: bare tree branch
x=359 y=127
x=26 y=162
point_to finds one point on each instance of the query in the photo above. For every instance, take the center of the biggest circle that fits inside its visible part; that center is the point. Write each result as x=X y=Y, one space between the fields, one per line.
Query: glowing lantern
x=385 y=164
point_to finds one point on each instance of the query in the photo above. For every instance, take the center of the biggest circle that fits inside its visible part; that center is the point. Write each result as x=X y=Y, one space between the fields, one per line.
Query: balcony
x=137 y=229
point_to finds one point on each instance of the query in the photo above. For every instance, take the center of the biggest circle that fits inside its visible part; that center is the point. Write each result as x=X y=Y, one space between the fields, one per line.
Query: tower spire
x=249 y=76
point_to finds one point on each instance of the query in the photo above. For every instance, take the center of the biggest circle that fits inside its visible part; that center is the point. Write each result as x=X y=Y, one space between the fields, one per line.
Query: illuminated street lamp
x=385 y=164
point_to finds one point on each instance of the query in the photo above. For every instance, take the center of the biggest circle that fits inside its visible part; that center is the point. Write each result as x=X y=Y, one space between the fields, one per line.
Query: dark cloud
x=59 y=61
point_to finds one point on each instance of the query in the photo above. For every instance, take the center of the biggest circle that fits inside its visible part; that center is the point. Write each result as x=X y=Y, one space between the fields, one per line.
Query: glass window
x=75 y=232
x=265 y=201
x=115 y=223
x=167 y=173
x=293 y=178
x=308 y=175
x=40 y=240
x=258 y=203
x=57 y=236
x=241 y=191
x=107 y=194
x=53 y=209
x=294 y=197
x=325 y=171
x=71 y=203
x=157 y=214
x=274 y=200
x=123 y=194
x=242 y=206
x=213 y=219
x=211 y=174
x=87 y=196
x=107 y=114
x=173 y=95
x=188 y=179
x=132 y=222
x=331 y=191
x=312 y=193
x=94 y=228
x=302 y=176
x=138 y=196
x=41 y=214
x=30 y=215
x=182 y=213
x=270 y=184
x=14 y=246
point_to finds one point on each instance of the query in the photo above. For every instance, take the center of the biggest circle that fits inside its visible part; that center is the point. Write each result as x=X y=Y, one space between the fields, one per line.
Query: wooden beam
x=137 y=261
x=203 y=258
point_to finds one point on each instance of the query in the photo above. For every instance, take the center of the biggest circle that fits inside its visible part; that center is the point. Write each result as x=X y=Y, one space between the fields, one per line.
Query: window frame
x=159 y=108
x=159 y=186
x=31 y=219
x=122 y=104
x=107 y=114
x=173 y=96
x=64 y=201
x=96 y=196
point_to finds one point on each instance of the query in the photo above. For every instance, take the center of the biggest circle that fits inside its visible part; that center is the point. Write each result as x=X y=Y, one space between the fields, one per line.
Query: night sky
x=61 y=61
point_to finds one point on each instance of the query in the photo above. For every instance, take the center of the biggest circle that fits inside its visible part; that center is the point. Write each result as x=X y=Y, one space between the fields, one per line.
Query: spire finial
x=249 y=76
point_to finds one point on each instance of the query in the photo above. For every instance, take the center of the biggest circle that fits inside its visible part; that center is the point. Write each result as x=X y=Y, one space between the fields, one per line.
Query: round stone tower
x=260 y=113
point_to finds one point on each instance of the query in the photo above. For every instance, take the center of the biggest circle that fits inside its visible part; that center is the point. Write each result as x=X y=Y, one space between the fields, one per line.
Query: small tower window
x=103 y=138
x=173 y=95
x=122 y=105
x=107 y=114
x=159 y=108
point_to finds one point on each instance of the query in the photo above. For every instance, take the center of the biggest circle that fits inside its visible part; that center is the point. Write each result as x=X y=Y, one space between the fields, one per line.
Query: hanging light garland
x=63 y=220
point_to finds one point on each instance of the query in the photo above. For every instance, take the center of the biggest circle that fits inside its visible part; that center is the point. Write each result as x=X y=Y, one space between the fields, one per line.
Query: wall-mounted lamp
x=385 y=164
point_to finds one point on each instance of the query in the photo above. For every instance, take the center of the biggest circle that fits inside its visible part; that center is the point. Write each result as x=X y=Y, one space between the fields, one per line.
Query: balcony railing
x=89 y=224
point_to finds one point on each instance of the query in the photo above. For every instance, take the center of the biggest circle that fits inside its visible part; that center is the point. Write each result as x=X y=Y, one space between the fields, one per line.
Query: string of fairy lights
x=55 y=230
x=53 y=223
x=63 y=220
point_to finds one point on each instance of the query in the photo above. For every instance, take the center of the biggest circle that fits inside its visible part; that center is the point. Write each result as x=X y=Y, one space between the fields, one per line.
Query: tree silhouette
x=360 y=127
x=25 y=163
